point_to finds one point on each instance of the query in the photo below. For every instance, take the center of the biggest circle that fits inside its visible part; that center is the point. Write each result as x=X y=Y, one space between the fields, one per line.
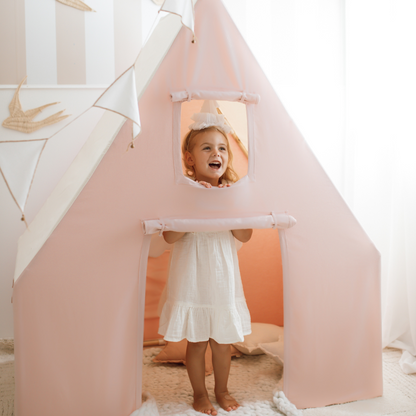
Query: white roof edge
x=94 y=149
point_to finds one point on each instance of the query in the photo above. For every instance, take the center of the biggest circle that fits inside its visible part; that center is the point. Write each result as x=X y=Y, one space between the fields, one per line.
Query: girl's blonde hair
x=188 y=145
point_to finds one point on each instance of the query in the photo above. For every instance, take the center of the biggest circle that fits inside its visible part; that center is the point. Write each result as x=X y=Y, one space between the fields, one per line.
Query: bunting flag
x=184 y=9
x=121 y=98
x=18 y=163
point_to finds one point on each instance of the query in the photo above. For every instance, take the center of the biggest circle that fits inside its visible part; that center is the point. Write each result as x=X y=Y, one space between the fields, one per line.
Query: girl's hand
x=206 y=184
x=242 y=235
x=172 y=236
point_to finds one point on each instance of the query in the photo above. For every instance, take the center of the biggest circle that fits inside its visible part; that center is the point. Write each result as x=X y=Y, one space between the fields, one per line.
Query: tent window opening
x=260 y=264
x=231 y=118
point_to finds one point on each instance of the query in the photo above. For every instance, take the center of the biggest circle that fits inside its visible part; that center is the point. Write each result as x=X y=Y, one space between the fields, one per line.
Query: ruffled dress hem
x=226 y=325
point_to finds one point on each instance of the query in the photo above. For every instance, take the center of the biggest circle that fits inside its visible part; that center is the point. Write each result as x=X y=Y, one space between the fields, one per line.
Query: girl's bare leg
x=221 y=361
x=195 y=365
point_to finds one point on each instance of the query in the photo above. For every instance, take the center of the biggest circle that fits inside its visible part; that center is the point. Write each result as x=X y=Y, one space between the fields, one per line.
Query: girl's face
x=209 y=156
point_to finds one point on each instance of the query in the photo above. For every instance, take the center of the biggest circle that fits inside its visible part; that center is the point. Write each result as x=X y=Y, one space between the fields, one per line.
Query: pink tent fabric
x=79 y=305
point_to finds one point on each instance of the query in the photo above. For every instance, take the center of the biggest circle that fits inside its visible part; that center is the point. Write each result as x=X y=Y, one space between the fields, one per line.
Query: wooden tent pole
x=236 y=138
x=154 y=343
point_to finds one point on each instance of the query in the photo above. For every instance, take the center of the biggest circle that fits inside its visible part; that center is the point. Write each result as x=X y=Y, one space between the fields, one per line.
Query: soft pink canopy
x=79 y=305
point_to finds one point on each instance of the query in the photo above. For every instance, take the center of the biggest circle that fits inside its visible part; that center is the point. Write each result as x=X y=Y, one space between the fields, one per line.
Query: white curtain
x=381 y=133
x=346 y=72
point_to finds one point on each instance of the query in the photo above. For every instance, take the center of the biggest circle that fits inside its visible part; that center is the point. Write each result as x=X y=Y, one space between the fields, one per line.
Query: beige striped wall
x=70 y=45
x=60 y=55
x=12 y=41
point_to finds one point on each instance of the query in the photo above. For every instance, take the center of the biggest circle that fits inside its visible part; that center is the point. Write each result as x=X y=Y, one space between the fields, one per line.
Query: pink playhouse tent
x=80 y=283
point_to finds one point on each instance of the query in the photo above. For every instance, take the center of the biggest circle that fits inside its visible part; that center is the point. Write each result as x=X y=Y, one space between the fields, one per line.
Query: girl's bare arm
x=172 y=236
x=242 y=235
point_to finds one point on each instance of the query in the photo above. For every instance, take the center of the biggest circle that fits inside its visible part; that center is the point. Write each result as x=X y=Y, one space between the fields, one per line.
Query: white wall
x=55 y=44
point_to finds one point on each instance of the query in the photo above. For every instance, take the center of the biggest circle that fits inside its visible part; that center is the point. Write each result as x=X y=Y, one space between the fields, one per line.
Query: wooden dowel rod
x=154 y=343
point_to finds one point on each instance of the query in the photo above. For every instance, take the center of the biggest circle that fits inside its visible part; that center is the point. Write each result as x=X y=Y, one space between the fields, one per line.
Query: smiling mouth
x=215 y=165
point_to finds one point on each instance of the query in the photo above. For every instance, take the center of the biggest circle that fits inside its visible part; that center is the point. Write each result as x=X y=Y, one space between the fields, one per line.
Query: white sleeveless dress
x=204 y=294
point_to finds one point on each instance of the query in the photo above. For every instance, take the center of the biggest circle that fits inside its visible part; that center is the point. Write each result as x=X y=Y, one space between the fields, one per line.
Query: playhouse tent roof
x=81 y=267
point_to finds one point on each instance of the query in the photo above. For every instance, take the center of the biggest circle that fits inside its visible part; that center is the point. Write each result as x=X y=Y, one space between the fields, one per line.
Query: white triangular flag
x=183 y=8
x=18 y=162
x=121 y=97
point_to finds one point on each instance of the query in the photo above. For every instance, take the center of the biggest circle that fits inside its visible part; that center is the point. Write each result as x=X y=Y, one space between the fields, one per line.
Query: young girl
x=205 y=300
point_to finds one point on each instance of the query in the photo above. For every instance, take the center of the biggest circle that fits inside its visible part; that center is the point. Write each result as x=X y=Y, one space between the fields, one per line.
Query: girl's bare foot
x=202 y=404
x=227 y=402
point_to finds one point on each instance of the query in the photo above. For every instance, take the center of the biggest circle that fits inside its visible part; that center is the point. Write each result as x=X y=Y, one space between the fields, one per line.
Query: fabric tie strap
x=243 y=98
x=162 y=229
x=274 y=220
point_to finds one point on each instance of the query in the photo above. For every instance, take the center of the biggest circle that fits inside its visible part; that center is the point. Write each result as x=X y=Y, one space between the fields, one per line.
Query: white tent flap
x=121 y=97
x=183 y=8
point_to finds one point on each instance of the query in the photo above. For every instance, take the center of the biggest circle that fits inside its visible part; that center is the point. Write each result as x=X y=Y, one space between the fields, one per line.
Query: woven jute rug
x=253 y=380
x=6 y=378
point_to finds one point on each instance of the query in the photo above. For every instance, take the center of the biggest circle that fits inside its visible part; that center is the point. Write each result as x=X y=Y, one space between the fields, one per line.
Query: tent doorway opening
x=261 y=271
